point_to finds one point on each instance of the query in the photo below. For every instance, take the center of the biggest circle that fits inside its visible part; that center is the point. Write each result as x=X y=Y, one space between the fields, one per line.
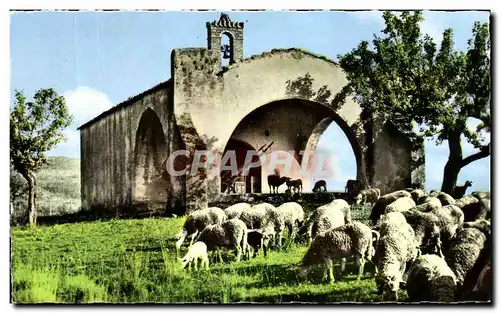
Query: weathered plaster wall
x=113 y=170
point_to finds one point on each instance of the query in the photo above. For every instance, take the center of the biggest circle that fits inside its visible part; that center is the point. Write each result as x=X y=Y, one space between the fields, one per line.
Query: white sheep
x=323 y=218
x=235 y=210
x=353 y=239
x=197 y=221
x=464 y=252
x=370 y=195
x=430 y=279
x=395 y=248
x=417 y=195
x=198 y=251
x=427 y=204
x=400 y=205
x=232 y=234
x=293 y=215
x=381 y=204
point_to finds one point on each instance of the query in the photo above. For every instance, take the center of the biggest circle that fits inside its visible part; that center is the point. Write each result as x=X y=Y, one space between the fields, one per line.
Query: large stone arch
x=151 y=184
x=210 y=102
x=293 y=125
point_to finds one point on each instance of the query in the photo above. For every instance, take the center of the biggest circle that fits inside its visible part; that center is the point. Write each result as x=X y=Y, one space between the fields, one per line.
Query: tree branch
x=485 y=152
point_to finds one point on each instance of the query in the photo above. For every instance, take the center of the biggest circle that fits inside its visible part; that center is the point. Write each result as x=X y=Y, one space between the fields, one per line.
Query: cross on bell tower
x=225 y=27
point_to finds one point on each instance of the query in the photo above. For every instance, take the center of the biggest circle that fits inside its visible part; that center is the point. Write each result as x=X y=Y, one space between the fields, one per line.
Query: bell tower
x=233 y=50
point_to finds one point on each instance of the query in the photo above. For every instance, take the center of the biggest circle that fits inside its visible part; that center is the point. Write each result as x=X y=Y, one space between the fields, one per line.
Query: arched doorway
x=293 y=127
x=244 y=181
x=150 y=180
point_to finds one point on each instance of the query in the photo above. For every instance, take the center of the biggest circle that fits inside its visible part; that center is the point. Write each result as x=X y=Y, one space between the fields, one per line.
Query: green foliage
x=134 y=261
x=405 y=77
x=36 y=127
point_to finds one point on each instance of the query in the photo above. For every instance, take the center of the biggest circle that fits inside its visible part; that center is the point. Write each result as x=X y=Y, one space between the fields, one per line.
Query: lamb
x=295 y=184
x=428 y=204
x=353 y=239
x=198 y=251
x=430 y=279
x=464 y=252
x=263 y=214
x=319 y=186
x=370 y=195
x=235 y=210
x=381 y=204
x=459 y=191
x=197 y=221
x=258 y=239
x=293 y=216
x=232 y=234
x=400 y=205
x=275 y=181
x=396 y=247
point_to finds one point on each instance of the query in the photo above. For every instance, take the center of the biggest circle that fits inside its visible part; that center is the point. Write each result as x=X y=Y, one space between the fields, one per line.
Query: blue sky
x=99 y=59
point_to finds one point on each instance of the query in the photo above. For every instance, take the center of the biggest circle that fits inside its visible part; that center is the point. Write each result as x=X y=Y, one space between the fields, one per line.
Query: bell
x=226 y=51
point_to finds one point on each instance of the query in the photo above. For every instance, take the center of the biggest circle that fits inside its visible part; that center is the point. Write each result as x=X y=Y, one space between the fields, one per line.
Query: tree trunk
x=30 y=177
x=453 y=166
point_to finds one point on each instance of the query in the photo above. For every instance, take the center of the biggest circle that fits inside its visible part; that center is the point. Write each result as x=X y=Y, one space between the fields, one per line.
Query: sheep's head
x=468 y=183
x=359 y=198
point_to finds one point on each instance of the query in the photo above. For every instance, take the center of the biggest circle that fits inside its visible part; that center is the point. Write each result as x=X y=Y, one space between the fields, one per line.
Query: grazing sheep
x=400 y=205
x=451 y=218
x=417 y=194
x=353 y=239
x=344 y=207
x=459 y=191
x=275 y=181
x=295 y=185
x=325 y=217
x=232 y=234
x=198 y=251
x=197 y=221
x=430 y=279
x=370 y=195
x=481 y=194
x=352 y=188
x=482 y=225
x=464 y=252
x=445 y=198
x=427 y=204
x=483 y=290
x=263 y=214
x=258 y=239
x=319 y=186
x=473 y=208
x=379 y=207
x=395 y=248
x=427 y=231
x=235 y=210
x=293 y=216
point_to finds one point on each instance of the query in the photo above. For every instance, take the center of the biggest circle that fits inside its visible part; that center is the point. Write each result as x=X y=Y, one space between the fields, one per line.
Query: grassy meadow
x=134 y=261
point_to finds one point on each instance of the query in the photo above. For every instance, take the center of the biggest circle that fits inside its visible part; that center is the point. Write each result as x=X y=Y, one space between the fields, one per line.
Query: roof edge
x=125 y=103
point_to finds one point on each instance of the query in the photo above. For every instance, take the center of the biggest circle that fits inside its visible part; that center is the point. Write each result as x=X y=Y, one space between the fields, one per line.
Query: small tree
x=406 y=78
x=35 y=128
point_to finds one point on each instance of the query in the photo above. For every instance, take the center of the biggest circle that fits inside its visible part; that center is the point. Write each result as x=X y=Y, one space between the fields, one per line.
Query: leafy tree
x=36 y=127
x=405 y=77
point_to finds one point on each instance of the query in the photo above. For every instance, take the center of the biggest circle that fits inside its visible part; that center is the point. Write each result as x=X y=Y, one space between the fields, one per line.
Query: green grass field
x=134 y=261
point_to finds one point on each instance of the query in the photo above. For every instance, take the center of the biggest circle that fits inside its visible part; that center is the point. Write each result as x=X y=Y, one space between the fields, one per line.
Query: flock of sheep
x=433 y=245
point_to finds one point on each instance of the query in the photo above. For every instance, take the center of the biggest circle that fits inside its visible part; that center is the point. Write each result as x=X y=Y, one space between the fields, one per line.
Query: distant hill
x=58 y=189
